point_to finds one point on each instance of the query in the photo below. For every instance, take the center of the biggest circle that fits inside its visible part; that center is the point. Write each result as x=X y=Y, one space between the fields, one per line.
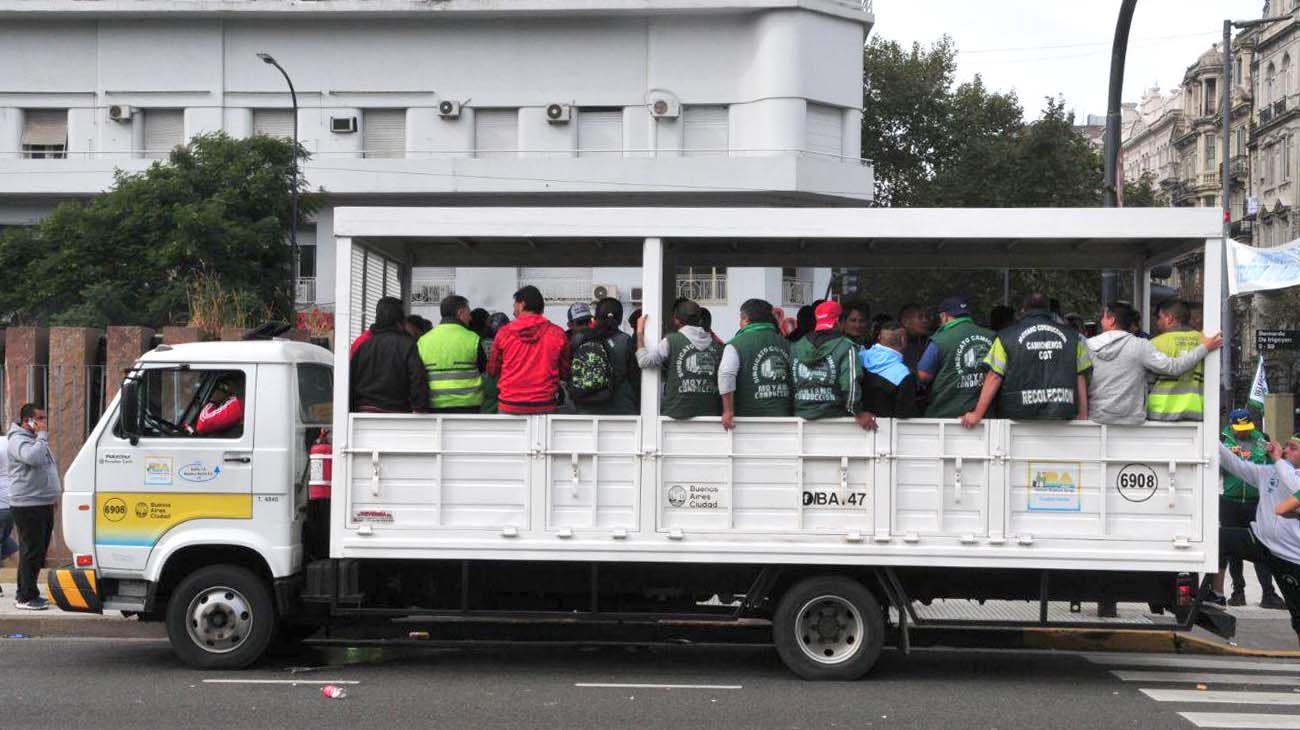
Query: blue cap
x=1240 y=420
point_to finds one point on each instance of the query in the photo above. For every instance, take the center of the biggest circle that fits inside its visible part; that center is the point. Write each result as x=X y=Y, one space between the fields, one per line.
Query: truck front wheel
x=220 y=617
x=828 y=628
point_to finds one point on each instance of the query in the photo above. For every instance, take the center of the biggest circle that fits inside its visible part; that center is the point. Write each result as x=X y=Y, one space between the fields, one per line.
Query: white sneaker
x=36 y=604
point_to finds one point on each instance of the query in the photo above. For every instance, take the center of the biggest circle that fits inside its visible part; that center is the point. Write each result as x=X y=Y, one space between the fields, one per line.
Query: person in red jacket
x=529 y=358
x=224 y=411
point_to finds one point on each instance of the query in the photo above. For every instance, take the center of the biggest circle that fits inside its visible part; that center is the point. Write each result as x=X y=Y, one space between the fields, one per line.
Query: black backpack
x=591 y=378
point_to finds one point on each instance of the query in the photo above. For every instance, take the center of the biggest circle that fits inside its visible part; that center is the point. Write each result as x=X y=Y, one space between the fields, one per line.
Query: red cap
x=828 y=314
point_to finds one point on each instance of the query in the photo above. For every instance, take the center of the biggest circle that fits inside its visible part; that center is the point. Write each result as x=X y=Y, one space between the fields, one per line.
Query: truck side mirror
x=129 y=408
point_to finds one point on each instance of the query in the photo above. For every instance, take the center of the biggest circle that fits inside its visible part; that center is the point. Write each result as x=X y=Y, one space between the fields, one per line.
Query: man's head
x=806 y=318
x=478 y=319
x=1037 y=302
x=1173 y=314
x=1242 y=425
x=892 y=335
x=952 y=308
x=687 y=314
x=1291 y=450
x=388 y=312
x=1001 y=317
x=579 y=316
x=756 y=311
x=828 y=315
x=495 y=322
x=706 y=319
x=32 y=417
x=1117 y=316
x=609 y=314
x=416 y=325
x=529 y=299
x=226 y=386
x=454 y=306
x=915 y=320
x=855 y=322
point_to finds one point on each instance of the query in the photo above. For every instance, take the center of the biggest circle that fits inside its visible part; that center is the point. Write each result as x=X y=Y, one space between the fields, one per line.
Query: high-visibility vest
x=1181 y=398
x=450 y=355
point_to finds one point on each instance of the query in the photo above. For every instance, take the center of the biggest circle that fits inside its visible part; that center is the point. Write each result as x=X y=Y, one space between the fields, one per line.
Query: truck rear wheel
x=828 y=628
x=220 y=617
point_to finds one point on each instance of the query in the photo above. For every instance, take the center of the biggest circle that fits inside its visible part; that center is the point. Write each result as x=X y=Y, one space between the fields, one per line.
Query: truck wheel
x=828 y=628
x=220 y=617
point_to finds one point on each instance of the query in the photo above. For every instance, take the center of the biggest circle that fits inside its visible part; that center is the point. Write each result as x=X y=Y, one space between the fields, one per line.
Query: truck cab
x=156 y=491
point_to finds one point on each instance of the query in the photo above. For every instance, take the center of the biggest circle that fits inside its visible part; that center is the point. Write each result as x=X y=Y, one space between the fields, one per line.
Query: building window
x=429 y=286
x=1237 y=68
x=1241 y=142
x=1210 y=150
x=496 y=133
x=383 y=133
x=705 y=131
x=703 y=284
x=1269 y=77
x=164 y=130
x=559 y=285
x=1285 y=73
x=273 y=123
x=1211 y=97
x=1286 y=159
x=825 y=128
x=45 y=134
x=305 y=292
x=600 y=132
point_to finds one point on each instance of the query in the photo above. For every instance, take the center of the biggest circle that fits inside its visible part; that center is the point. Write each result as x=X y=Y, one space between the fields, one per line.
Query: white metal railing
x=431 y=292
x=305 y=290
x=704 y=289
x=796 y=291
x=562 y=291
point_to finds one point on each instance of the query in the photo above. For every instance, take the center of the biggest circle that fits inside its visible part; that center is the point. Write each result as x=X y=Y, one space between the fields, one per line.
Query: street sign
x=1266 y=340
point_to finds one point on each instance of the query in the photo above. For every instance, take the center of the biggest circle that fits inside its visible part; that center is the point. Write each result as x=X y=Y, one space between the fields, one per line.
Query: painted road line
x=1187 y=662
x=614 y=685
x=1238 y=720
x=280 y=681
x=1287 y=680
x=1222 y=697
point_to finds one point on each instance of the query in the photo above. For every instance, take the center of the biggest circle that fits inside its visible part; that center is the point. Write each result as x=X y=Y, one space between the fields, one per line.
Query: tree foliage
x=936 y=143
x=217 y=209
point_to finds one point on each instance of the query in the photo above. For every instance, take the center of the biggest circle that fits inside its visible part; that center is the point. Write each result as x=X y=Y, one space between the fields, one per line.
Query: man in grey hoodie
x=1120 y=362
x=33 y=490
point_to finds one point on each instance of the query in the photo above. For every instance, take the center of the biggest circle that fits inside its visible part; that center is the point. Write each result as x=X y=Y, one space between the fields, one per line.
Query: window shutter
x=164 y=129
x=496 y=132
x=45 y=127
x=383 y=133
x=704 y=131
x=825 y=129
x=359 y=317
x=600 y=132
x=273 y=122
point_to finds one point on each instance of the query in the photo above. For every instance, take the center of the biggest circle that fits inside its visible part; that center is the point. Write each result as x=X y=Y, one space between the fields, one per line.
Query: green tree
x=217 y=210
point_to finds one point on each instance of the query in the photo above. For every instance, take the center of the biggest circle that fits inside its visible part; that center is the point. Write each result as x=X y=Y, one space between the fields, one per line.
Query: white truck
x=819 y=527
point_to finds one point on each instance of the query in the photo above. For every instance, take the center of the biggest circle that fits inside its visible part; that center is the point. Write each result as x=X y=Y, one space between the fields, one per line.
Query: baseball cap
x=579 y=312
x=955 y=307
x=828 y=314
x=1241 y=421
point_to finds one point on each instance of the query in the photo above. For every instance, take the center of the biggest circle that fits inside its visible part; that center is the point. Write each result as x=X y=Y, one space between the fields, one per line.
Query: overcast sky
x=1044 y=48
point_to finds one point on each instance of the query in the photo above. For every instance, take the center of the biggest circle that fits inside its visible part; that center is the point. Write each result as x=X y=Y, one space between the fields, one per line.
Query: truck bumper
x=75 y=590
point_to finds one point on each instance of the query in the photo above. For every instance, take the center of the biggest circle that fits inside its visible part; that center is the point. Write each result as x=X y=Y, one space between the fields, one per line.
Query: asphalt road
x=122 y=683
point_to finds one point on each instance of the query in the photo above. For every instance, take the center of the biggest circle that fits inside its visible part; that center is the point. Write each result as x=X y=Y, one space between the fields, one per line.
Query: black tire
x=854 y=629
x=234 y=598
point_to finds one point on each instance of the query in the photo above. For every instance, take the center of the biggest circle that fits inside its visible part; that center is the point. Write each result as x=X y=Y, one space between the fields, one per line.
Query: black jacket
x=388 y=375
x=886 y=400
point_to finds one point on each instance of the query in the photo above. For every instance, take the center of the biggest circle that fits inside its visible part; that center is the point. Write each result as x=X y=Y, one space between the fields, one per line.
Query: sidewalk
x=15 y=623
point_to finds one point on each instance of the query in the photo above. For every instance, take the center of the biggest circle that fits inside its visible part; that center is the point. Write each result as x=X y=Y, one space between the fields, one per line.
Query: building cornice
x=856 y=10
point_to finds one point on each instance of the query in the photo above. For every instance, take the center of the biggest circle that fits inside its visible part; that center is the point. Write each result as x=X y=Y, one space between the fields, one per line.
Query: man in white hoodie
x=1117 y=393
x=689 y=358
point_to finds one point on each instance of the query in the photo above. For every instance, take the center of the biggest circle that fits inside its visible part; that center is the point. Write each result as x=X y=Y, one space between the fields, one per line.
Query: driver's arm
x=214 y=419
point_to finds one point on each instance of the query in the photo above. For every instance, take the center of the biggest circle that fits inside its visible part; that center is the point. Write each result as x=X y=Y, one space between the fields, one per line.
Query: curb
x=45 y=627
x=1092 y=640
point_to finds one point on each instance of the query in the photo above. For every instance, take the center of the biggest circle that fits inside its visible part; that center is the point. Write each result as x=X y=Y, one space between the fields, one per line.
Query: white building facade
x=459 y=102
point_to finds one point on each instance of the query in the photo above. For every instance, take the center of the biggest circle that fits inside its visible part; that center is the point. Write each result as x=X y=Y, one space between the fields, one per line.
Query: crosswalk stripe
x=1238 y=720
x=1190 y=662
x=1288 y=680
x=1223 y=697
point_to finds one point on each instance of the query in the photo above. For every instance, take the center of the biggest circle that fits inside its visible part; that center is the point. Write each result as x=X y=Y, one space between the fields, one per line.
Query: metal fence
x=74 y=397
x=703 y=288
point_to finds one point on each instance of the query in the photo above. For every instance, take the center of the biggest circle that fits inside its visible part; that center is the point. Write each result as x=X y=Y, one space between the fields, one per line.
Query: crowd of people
x=831 y=360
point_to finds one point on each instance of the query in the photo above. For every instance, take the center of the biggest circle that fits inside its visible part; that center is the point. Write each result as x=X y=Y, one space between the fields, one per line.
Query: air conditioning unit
x=343 y=125
x=663 y=105
x=559 y=113
x=449 y=109
x=120 y=112
x=603 y=291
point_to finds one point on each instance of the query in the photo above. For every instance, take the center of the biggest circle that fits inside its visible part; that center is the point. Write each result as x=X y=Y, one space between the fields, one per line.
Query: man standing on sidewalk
x=33 y=491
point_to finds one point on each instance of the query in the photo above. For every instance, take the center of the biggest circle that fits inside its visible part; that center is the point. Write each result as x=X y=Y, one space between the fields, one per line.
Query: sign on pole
x=1271 y=340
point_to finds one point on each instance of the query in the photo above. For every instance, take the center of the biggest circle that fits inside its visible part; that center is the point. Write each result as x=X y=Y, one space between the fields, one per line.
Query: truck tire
x=828 y=628
x=221 y=617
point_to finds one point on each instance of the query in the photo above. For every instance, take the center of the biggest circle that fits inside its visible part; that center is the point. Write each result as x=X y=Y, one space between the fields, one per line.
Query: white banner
x=1261 y=269
x=1259 y=387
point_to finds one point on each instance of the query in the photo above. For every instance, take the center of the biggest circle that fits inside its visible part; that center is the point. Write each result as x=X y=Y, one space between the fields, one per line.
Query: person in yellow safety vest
x=453 y=360
x=1176 y=398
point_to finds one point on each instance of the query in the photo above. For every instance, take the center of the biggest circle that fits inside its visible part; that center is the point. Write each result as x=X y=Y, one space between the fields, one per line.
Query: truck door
x=193 y=460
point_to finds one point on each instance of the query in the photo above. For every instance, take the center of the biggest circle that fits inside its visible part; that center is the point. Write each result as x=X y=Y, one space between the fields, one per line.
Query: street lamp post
x=1225 y=108
x=1110 y=162
x=293 y=191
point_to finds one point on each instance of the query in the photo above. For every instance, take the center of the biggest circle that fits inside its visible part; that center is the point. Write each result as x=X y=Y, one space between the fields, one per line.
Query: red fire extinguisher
x=321 y=476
